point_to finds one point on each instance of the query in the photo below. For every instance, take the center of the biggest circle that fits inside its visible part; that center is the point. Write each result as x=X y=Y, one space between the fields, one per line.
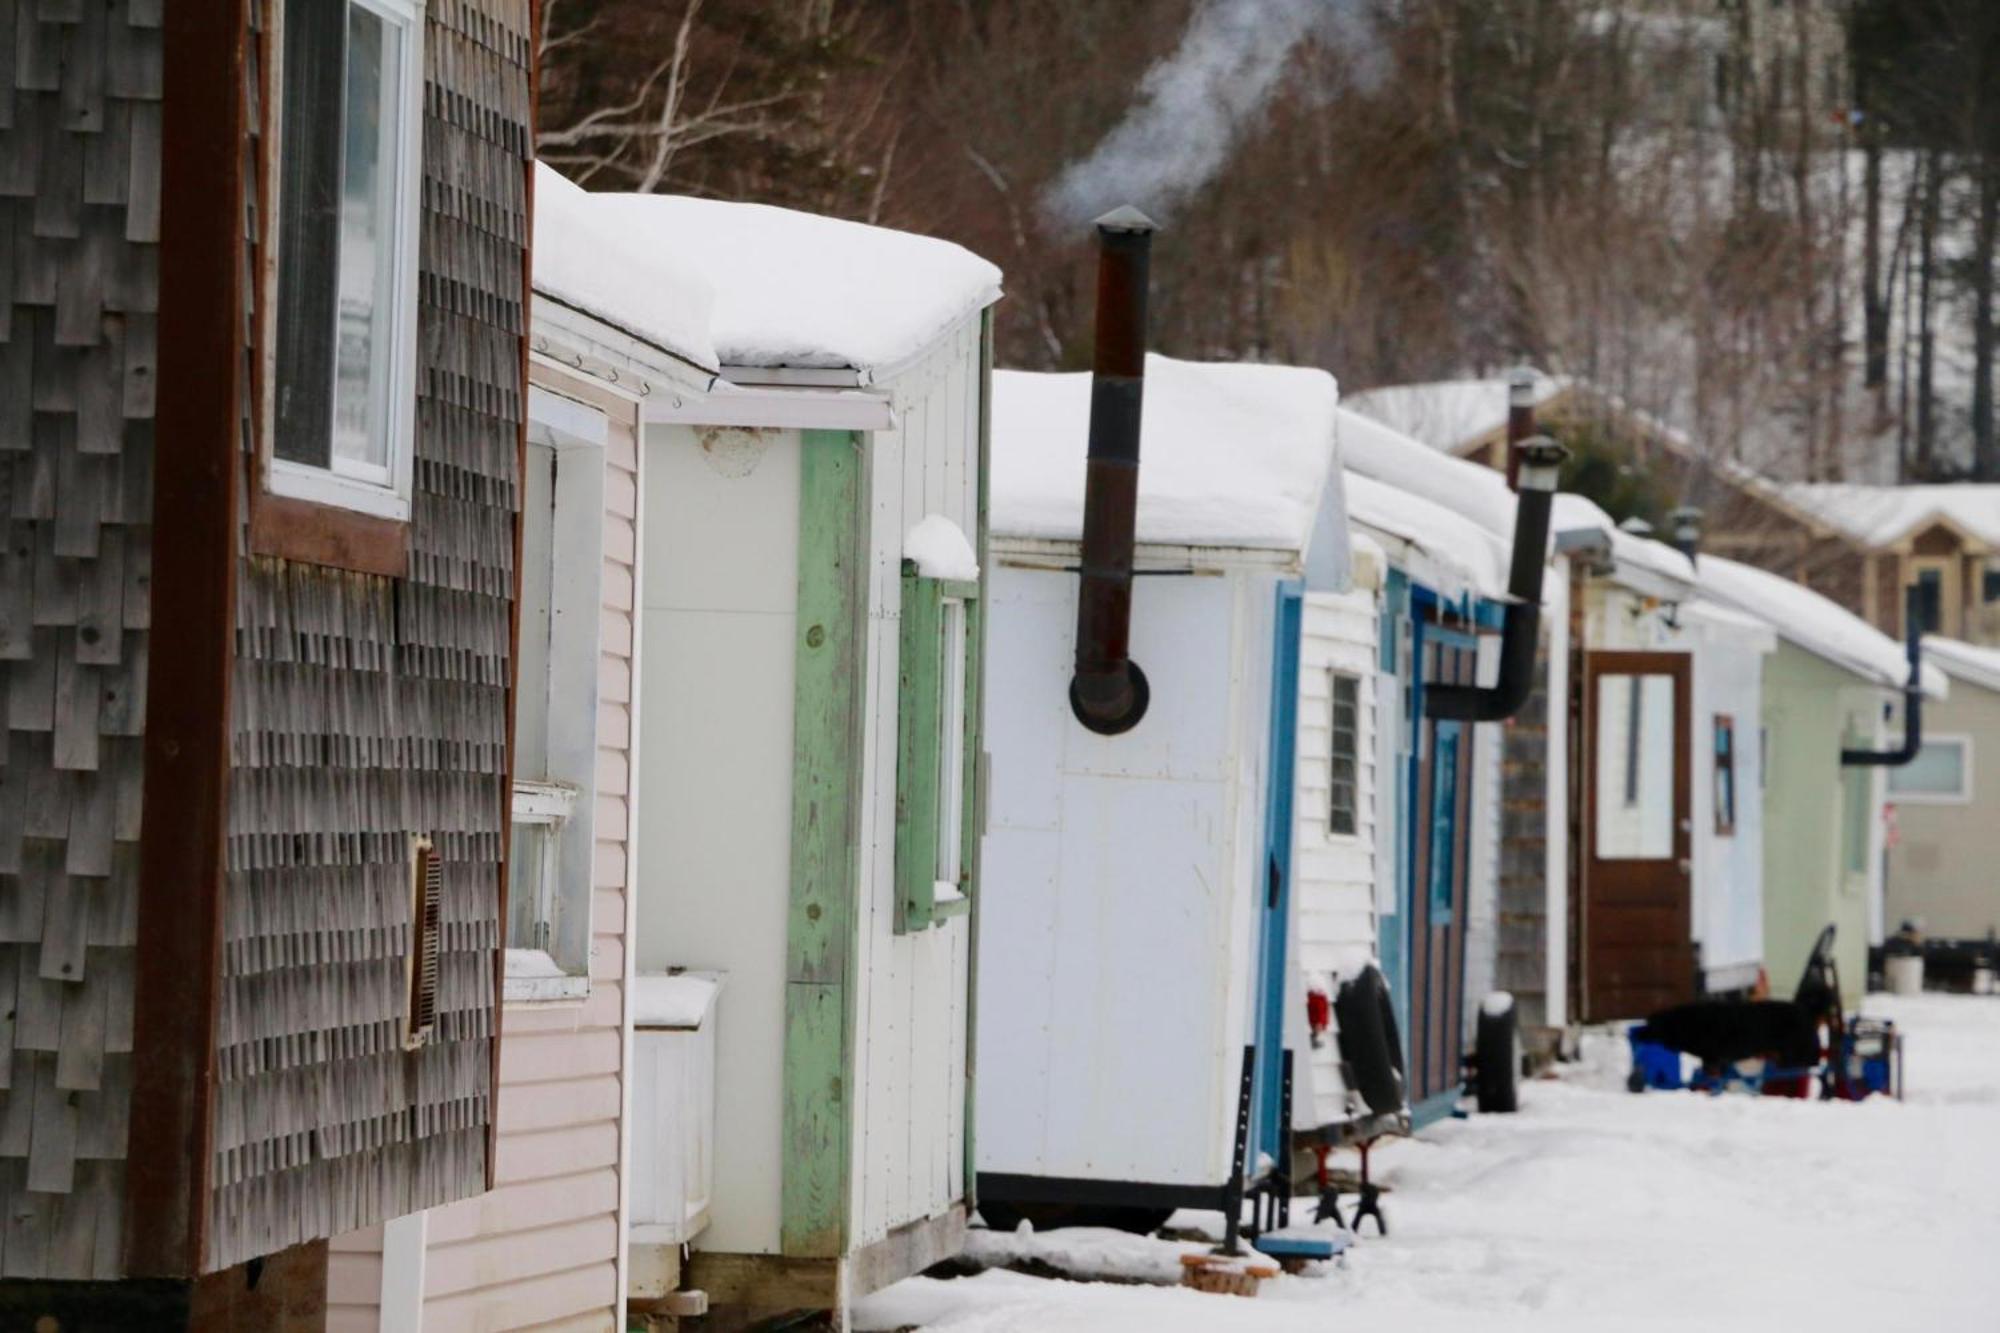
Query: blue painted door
x=1267 y=1101
x=1440 y=809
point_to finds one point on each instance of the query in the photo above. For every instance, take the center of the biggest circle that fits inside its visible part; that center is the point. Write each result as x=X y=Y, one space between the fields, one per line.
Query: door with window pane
x=1636 y=929
x=1440 y=829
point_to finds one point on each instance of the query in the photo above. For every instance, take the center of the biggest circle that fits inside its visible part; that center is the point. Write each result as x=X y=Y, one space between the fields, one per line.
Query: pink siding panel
x=515 y=1255
x=563 y=1199
x=550 y=1302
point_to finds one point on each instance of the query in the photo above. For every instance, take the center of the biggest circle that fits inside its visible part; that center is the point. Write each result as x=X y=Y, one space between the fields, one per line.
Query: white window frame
x=1963 y=796
x=954 y=675
x=380 y=491
x=565 y=795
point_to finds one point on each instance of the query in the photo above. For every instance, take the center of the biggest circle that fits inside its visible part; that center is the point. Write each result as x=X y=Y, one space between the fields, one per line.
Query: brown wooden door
x=1442 y=861
x=1637 y=938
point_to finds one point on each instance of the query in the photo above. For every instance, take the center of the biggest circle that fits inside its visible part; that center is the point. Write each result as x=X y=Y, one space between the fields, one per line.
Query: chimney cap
x=1126 y=218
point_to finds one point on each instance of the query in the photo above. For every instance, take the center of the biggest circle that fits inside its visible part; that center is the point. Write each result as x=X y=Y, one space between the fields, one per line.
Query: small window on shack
x=553 y=843
x=936 y=759
x=1725 y=774
x=1344 y=762
x=347 y=108
x=1941 y=774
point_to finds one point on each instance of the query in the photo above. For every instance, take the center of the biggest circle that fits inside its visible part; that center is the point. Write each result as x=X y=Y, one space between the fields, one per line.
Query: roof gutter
x=1913 y=695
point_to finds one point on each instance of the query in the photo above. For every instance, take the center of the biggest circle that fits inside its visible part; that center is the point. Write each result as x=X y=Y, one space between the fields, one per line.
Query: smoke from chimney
x=1192 y=105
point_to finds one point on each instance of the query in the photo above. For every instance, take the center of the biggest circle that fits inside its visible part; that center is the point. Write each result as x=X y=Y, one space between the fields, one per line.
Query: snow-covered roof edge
x=808 y=294
x=1814 y=622
x=1968 y=662
x=592 y=268
x=1233 y=456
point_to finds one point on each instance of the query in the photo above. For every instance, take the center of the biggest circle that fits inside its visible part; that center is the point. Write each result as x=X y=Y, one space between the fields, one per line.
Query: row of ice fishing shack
x=672 y=784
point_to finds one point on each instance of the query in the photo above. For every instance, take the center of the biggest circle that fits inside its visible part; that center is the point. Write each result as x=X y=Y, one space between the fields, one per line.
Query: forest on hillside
x=1768 y=222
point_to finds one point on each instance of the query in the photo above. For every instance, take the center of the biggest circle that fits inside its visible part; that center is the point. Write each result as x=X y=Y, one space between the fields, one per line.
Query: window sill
x=311 y=533
x=545 y=990
x=534 y=978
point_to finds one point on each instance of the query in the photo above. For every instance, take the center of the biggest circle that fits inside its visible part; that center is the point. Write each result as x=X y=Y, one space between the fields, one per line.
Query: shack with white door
x=1838 y=699
x=807 y=774
x=1138 y=877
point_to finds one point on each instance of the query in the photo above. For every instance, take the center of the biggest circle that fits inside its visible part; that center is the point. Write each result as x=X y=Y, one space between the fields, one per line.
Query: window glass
x=339 y=244
x=1725 y=774
x=1937 y=771
x=951 y=750
x=367 y=250
x=531 y=882
x=1444 y=820
x=1344 y=762
x=1930 y=599
x=1856 y=813
x=1635 y=767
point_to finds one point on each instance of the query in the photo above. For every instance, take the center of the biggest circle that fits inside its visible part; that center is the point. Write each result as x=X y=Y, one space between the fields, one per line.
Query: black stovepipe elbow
x=1913 y=695
x=1521 y=624
x=1520 y=627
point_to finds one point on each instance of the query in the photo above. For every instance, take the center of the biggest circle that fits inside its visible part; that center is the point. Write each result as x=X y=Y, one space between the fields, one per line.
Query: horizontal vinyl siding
x=1334 y=874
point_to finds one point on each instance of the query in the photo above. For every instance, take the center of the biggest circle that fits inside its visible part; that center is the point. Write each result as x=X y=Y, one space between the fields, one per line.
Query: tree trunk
x=1927 y=226
x=1874 y=285
x=1985 y=448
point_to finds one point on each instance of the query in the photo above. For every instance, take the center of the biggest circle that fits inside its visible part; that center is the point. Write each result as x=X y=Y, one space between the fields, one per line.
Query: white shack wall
x=911 y=1018
x=544 y=1245
x=1729 y=868
x=1333 y=874
x=1121 y=876
x=721 y=593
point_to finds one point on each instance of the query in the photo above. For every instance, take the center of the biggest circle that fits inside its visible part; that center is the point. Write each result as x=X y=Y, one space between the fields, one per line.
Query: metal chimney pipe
x=1687 y=530
x=1520 y=420
x=1109 y=693
x=1913 y=694
x=1521 y=625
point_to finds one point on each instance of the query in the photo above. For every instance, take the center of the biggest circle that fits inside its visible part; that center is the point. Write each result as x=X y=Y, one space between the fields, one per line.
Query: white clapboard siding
x=542 y=1248
x=911 y=1013
x=1334 y=875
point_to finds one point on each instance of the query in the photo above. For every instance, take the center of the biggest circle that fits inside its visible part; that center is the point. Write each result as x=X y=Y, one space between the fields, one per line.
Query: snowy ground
x=1595 y=1209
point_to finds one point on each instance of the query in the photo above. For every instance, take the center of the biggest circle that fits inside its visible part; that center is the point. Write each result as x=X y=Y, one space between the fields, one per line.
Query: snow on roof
x=1462 y=556
x=1479 y=493
x=1447 y=414
x=1881 y=515
x=797 y=290
x=643 y=290
x=939 y=549
x=1964 y=661
x=1231 y=454
x=1813 y=622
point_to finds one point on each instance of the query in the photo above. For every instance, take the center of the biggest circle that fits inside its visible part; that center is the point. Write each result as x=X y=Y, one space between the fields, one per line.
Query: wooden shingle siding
x=79 y=215
x=367 y=710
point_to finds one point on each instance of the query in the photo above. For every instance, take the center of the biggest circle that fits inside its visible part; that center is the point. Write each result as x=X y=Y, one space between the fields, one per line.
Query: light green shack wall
x=1811 y=805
